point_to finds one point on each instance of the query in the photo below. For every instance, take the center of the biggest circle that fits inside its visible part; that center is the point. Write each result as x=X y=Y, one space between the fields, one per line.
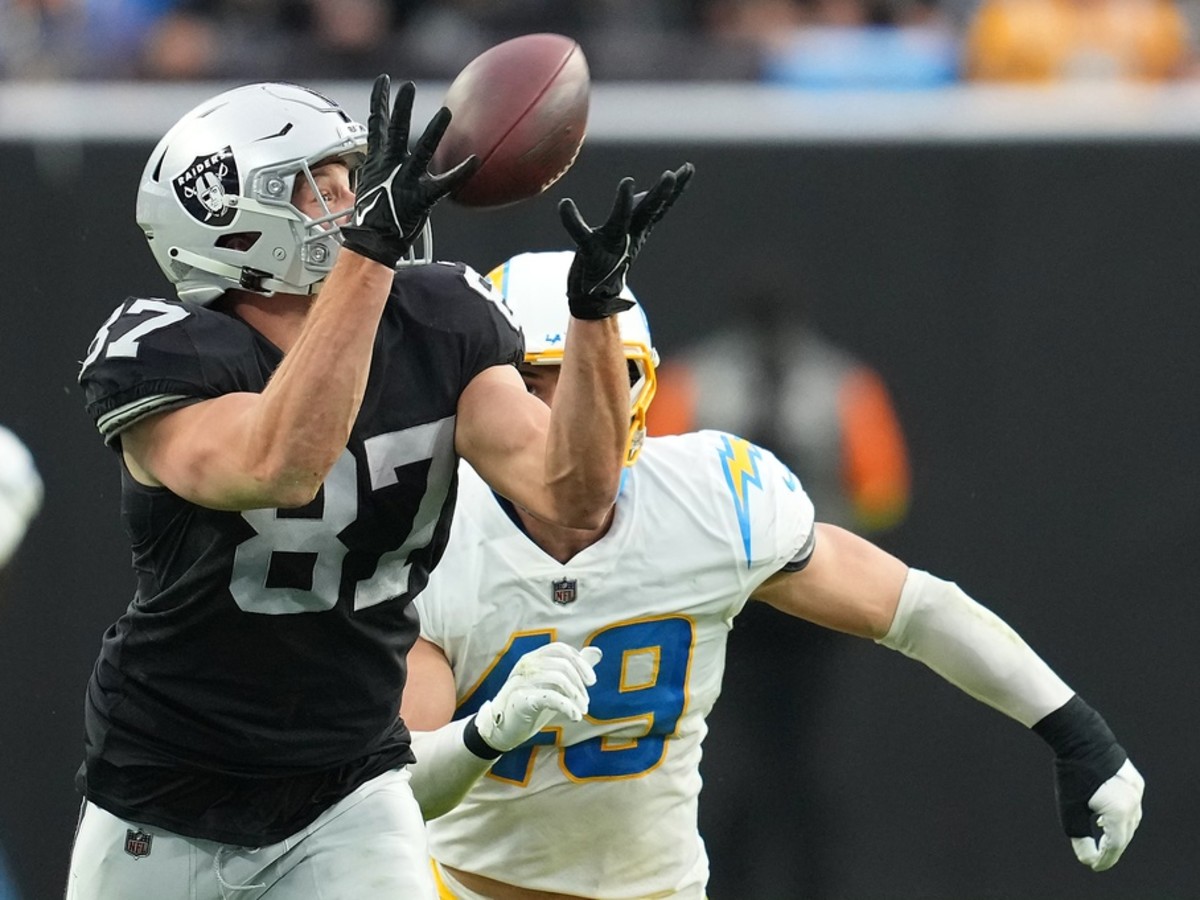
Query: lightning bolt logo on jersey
x=740 y=459
x=702 y=520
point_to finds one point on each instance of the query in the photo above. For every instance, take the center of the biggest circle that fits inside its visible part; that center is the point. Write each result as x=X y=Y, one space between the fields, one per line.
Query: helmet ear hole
x=240 y=241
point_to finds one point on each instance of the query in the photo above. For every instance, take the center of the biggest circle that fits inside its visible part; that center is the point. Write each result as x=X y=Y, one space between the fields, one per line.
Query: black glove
x=395 y=189
x=604 y=254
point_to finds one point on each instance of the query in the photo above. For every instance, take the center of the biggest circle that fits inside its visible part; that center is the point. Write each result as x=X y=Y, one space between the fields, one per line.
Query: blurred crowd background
x=899 y=44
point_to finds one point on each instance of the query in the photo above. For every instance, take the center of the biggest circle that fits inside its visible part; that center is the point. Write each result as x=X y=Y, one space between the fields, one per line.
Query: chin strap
x=260 y=282
x=246 y=278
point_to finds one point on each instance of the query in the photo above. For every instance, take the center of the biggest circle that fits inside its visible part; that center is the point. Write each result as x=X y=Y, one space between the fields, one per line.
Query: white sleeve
x=445 y=768
x=770 y=516
x=937 y=624
x=785 y=529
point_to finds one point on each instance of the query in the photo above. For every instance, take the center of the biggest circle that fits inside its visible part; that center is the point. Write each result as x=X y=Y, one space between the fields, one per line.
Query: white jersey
x=607 y=808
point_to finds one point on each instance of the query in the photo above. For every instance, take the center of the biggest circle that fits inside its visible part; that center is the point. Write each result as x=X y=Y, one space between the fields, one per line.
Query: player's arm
x=547 y=684
x=245 y=450
x=565 y=466
x=274 y=449
x=853 y=586
x=848 y=584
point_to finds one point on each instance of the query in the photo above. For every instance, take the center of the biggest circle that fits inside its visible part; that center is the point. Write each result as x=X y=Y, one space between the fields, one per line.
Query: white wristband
x=937 y=624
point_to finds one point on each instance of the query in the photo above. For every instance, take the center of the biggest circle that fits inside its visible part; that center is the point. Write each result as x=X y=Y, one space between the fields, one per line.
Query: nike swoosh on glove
x=396 y=190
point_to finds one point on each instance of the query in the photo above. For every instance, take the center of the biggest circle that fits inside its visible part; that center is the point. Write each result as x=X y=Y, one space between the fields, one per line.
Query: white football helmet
x=534 y=285
x=215 y=199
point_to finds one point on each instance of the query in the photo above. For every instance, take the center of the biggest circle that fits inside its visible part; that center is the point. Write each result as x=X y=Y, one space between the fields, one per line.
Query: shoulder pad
x=453 y=295
x=151 y=355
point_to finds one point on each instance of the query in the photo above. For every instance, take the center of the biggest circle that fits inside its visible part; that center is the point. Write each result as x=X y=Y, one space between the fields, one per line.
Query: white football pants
x=369 y=846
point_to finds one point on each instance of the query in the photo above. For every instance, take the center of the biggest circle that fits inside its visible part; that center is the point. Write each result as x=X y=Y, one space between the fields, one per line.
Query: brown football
x=522 y=108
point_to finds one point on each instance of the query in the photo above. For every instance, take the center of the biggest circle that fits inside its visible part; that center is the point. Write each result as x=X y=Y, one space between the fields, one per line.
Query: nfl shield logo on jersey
x=137 y=843
x=563 y=592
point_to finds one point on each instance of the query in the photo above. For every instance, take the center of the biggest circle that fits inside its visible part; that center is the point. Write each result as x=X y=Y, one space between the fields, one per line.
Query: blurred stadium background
x=1019 y=262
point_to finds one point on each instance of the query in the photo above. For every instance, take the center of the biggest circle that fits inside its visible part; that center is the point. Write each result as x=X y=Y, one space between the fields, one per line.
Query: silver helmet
x=534 y=285
x=215 y=199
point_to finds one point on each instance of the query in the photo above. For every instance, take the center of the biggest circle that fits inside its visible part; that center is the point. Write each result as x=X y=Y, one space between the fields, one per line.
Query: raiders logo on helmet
x=205 y=188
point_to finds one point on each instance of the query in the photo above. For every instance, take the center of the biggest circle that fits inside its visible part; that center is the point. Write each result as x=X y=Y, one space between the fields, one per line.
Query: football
x=522 y=108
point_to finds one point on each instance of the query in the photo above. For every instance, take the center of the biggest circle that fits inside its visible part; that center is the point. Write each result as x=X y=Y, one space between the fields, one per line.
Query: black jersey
x=255 y=678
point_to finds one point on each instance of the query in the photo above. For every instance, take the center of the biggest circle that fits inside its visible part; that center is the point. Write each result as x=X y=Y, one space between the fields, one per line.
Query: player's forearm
x=1095 y=783
x=937 y=624
x=309 y=406
x=589 y=424
x=445 y=769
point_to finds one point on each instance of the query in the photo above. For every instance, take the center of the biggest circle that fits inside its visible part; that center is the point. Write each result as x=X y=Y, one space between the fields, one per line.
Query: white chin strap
x=239 y=277
x=259 y=282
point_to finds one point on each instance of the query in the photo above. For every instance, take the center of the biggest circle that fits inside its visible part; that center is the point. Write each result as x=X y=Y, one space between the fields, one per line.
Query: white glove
x=546 y=683
x=1118 y=802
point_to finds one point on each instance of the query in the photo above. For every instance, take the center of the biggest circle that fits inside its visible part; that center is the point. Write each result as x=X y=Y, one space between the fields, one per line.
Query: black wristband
x=1087 y=755
x=589 y=306
x=476 y=744
x=1076 y=731
x=372 y=245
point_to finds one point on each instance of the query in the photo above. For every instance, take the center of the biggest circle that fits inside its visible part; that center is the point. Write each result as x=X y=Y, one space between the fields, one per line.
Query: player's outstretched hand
x=603 y=255
x=1118 y=807
x=395 y=188
x=546 y=684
